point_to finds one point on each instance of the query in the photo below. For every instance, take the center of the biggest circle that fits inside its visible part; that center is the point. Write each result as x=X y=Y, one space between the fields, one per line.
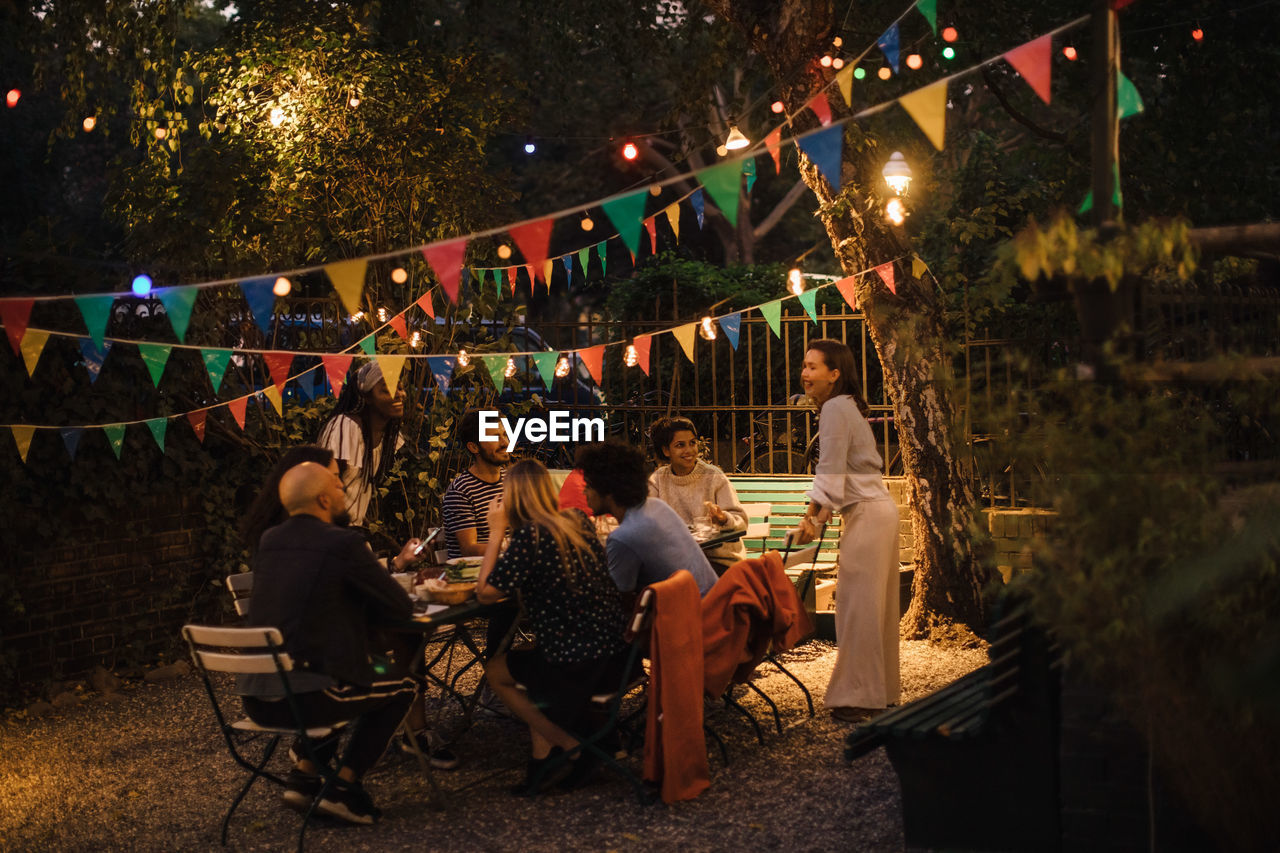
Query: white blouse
x=849 y=463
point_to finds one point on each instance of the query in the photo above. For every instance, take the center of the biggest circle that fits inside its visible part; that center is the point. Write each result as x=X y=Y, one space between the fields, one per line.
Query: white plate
x=465 y=561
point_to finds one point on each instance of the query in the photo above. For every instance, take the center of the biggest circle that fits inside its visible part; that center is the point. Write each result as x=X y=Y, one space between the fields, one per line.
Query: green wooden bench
x=978 y=759
x=786 y=495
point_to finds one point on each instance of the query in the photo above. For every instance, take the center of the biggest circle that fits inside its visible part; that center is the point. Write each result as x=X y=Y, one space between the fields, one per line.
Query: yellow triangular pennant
x=391 y=366
x=673 y=216
x=547 y=267
x=684 y=334
x=928 y=106
x=348 y=279
x=845 y=81
x=272 y=393
x=917 y=267
x=22 y=435
x=32 y=345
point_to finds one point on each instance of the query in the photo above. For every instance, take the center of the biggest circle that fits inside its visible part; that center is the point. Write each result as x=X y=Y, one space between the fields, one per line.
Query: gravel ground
x=146 y=769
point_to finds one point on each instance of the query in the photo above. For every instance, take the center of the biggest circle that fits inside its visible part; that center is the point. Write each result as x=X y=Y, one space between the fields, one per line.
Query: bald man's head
x=313 y=489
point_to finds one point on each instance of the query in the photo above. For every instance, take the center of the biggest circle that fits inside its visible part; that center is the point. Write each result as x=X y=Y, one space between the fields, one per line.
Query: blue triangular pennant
x=888 y=45
x=71 y=438
x=732 y=325
x=442 y=369
x=260 y=294
x=93 y=356
x=568 y=271
x=698 y=204
x=824 y=149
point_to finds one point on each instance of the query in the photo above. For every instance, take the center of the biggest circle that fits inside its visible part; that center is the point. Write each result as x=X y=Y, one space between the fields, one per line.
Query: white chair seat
x=248 y=725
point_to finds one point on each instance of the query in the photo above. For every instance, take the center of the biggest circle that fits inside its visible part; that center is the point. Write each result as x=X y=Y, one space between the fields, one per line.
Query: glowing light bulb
x=89 y=123
x=282 y=286
x=357 y=317
x=777 y=106
x=895 y=211
x=837 y=42
x=884 y=73
x=707 y=329
x=399 y=276
x=1069 y=51
x=897 y=174
x=629 y=151
x=141 y=284
x=504 y=251
x=655 y=190
x=562 y=367
x=415 y=340
x=795 y=281
x=161 y=133
x=630 y=357
x=825 y=61
x=463 y=358
x=949 y=34
x=1197 y=34
x=722 y=151
x=950 y=52
x=859 y=73
x=837 y=63
x=510 y=369
x=277 y=117
x=12 y=97
x=353 y=102
x=914 y=61
x=529 y=145
x=382 y=315
x=586 y=223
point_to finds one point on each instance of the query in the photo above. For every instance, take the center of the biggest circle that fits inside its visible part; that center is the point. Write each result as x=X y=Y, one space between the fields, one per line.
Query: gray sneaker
x=301 y=790
x=349 y=802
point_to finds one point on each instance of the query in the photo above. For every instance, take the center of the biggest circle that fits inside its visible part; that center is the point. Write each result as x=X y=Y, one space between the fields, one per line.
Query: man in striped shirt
x=466 y=501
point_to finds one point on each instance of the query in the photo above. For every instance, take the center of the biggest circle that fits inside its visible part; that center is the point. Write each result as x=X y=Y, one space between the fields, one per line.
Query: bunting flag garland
x=278 y=365
x=442 y=369
x=773 y=142
x=178 y=302
x=155 y=357
x=643 y=343
x=821 y=108
x=158 y=427
x=347 y=278
x=277 y=399
x=888 y=44
x=15 y=313
x=533 y=238
x=260 y=294
x=216 y=361
x=335 y=370
x=96 y=310
x=651 y=225
x=625 y=213
x=673 y=219
x=772 y=312
x=71 y=439
x=844 y=80
x=497 y=366
x=848 y=289
x=928 y=106
x=115 y=437
x=593 y=358
x=808 y=299
x=512 y=273
x=1128 y=101
x=237 y=408
x=732 y=325
x=1034 y=61
x=929 y=8
x=546 y=364
x=723 y=182
x=698 y=203
x=197 y=420
x=400 y=326
x=424 y=302
x=885 y=271
x=685 y=334
x=94 y=356
x=305 y=382
x=32 y=345
x=22 y=437
x=825 y=150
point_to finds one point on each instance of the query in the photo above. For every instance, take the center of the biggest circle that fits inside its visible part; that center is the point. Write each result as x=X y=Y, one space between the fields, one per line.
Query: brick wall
x=1012 y=533
x=114 y=598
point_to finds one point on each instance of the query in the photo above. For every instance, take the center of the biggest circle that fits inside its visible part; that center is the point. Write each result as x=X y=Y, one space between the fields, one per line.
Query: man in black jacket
x=319 y=583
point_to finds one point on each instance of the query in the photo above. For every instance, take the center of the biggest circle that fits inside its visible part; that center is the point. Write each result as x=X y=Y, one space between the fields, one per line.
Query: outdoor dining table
x=720 y=538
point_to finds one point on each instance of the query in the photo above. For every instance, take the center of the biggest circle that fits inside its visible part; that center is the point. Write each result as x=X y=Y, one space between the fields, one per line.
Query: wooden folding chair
x=256 y=650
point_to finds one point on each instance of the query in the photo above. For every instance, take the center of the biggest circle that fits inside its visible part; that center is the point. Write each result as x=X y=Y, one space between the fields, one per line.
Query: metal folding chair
x=240 y=585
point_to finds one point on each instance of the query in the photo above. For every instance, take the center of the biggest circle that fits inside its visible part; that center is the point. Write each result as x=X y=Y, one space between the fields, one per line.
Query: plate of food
x=461 y=569
x=443 y=592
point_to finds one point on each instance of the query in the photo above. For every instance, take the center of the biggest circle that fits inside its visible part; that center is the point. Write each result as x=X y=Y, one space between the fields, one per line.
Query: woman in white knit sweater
x=849 y=481
x=698 y=491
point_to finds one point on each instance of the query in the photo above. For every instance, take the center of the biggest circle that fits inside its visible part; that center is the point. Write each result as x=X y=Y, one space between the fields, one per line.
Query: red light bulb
x=12 y=97
x=1197 y=34
x=1070 y=52
x=629 y=151
x=950 y=34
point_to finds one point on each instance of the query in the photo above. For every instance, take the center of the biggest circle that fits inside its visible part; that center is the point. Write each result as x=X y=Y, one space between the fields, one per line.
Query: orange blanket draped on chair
x=675 y=748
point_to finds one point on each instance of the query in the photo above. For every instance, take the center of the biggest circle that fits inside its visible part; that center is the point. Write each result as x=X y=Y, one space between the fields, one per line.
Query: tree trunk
x=906 y=327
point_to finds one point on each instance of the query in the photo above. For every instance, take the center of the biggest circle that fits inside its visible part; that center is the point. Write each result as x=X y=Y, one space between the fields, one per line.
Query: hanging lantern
x=562 y=367
x=630 y=357
x=504 y=251
x=897 y=174
x=707 y=329
x=737 y=139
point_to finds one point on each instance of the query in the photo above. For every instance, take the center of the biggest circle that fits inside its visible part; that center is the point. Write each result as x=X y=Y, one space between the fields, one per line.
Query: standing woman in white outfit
x=848 y=480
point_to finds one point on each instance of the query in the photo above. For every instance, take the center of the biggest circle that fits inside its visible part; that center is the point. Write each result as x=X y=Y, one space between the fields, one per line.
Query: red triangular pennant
x=821 y=108
x=197 y=419
x=402 y=329
x=237 y=408
x=533 y=238
x=651 y=225
x=847 y=288
x=335 y=369
x=446 y=261
x=885 y=271
x=593 y=358
x=16 y=313
x=774 y=143
x=642 y=343
x=424 y=302
x=511 y=278
x=1033 y=61
x=278 y=364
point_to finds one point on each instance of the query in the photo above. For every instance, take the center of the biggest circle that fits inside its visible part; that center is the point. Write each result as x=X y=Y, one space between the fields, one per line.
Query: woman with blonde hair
x=555 y=562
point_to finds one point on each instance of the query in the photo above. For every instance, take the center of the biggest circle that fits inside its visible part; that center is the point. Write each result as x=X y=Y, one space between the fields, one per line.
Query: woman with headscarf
x=364 y=434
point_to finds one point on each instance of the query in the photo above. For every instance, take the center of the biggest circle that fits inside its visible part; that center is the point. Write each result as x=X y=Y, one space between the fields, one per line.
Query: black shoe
x=301 y=790
x=583 y=772
x=531 y=773
x=440 y=757
x=349 y=802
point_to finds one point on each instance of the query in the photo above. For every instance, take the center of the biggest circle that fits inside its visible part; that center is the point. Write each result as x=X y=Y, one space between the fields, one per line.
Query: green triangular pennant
x=96 y=310
x=808 y=300
x=584 y=258
x=216 y=361
x=178 y=302
x=154 y=356
x=929 y=8
x=772 y=312
x=497 y=366
x=723 y=183
x=366 y=344
x=115 y=437
x=546 y=362
x=626 y=214
x=158 y=427
x=1128 y=101
x=602 y=253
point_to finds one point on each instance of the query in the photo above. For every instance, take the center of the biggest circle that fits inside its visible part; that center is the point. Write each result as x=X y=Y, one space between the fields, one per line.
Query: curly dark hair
x=664 y=430
x=616 y=469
